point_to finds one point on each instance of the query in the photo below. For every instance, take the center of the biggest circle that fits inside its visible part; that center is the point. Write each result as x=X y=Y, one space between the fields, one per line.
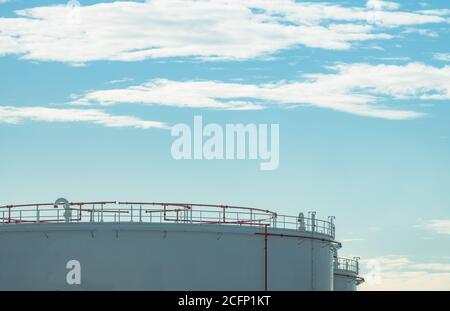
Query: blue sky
x=360 y=89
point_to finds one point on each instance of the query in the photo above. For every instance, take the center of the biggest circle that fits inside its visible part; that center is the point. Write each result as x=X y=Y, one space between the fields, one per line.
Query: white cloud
x=209 y=29
x=422 y=32
x=192 y=94
x=17 y=115
x=399 y=273
x=442 y=57
x=354 y=88
x=441 y=226
x=439 y=12
x=432 y=266
x=352 y=240
x=410 y=281
x=119 y=81
x=381 y=5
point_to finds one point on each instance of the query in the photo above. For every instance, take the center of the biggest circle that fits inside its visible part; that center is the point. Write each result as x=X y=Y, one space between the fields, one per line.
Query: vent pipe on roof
x=67 y=210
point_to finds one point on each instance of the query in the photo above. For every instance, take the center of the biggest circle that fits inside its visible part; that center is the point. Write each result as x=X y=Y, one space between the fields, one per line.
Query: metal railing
x=346 y=264
x=112 y=211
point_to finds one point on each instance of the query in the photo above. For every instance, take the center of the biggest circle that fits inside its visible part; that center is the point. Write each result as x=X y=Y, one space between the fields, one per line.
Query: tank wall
x=159 y=257
x=344 y=282
x=294 y=261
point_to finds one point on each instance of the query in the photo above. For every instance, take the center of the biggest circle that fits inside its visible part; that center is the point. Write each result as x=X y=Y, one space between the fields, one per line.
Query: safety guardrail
x=346 y=264
x=157 y=212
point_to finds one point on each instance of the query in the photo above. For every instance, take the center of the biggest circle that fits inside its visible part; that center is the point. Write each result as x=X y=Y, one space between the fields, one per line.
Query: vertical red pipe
x=265 y=257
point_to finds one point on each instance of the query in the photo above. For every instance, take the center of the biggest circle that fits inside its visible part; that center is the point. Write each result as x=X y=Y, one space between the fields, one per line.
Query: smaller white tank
x=345 y=274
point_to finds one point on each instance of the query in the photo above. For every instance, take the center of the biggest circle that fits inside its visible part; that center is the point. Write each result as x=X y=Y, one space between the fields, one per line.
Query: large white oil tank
x=162 y=246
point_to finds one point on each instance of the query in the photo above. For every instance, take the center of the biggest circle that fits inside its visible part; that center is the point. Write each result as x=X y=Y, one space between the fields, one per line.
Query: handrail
x=346 y=264
x=187 y=205
x=161 y=212
x=194 y=211
x=53 y=204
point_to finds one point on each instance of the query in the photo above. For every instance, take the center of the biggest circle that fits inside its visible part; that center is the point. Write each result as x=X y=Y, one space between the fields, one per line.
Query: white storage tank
x=346 y=274
x=162 y=246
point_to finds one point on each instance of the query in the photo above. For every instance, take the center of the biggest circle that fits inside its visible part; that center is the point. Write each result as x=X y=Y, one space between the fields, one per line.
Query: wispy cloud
x=352 y=240
x=442 y=57
x=208 y=29
x=119 y=81
x=359 y=89
x=17 y=115
x=400 y=273
x=422 y=32
x=439 y=12
x=381 y=5
x=441 y=226
x=192 y=94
